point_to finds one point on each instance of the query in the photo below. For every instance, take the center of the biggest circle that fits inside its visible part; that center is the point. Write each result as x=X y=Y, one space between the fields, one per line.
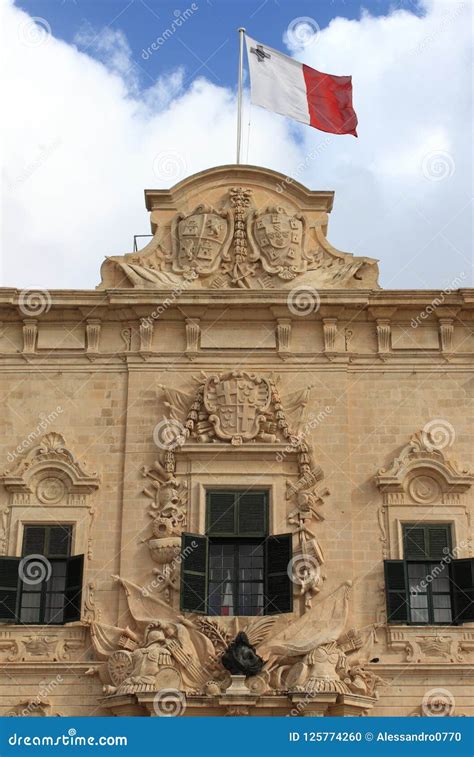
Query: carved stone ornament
x=240 y=236
x=63 y=472
x=424 y=474
x=240 y=657
x=237 y=403
x=277 y=238
x=201 y=240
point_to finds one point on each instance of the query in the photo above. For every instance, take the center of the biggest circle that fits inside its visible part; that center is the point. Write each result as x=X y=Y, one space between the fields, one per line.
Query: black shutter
x=414 y=543
x=252 y=514
x=221 y=513
x=278 y=586
x=34 y=540
x=438 y=542
x=194 y=549
x=396 y=592
x=9 y=585
x=462 y=584
x=59 y=541
x=73 y=591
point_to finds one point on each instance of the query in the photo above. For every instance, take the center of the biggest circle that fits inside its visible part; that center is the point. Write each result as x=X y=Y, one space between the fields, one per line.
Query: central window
x=237 y=568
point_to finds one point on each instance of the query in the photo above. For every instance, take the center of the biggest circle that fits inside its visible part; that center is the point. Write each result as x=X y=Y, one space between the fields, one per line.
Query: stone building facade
x=237 y=431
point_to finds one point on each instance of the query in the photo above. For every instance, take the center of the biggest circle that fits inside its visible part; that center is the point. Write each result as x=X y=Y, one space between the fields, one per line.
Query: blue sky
x=207 y=44
x=93 y=121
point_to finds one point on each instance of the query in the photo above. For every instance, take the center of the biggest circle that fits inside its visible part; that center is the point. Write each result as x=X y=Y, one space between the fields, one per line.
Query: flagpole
x=239 y=91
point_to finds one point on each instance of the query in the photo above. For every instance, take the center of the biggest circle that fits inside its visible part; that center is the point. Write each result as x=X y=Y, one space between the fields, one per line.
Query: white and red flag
x=283 y=85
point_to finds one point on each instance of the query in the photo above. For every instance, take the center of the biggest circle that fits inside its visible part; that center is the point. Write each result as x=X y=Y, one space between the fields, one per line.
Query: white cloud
x=81 y=143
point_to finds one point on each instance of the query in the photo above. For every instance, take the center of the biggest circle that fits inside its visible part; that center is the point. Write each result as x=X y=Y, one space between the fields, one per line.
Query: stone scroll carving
x=235 y=241
x=316 y=654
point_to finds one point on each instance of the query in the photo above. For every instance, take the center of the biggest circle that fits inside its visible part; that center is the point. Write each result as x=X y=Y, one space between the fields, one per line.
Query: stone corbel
x=93 y=327
x=30 y=335
x=283 y=337
x=383 y=327
x=330 y=333
x=446 y=318
x=146 y=335
x=193 y=337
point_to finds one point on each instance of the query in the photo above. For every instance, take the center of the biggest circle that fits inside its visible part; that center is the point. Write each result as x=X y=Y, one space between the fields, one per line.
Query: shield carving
x=277 y=239
x=237 y=403
x=201 y=240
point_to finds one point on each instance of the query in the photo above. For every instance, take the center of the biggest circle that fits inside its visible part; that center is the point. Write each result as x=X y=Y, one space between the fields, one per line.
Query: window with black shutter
x=236 y=569
x=428 y=587
x=44 y=586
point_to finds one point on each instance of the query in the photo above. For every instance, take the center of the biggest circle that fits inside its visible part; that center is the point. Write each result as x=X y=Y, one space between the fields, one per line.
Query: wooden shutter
x=34 y=540
x=396 y=591
x=438 y=542
x=73 y=591
x=462 y=583
x=278 y=586
x=414 y=543
x=9 y=585
x=221 y=513
x=252 y=513
x=194 y=550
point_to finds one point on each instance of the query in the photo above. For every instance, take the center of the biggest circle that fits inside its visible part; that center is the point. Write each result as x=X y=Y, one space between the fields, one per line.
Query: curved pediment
x=239 y=227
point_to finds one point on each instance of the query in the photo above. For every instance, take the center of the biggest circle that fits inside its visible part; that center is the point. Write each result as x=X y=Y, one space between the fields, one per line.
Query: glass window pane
x=419 y=616
x=418 y=600
x=441 y=600
x=30 y=599
x=442 y=616
x=418 y=570
x=29 y=615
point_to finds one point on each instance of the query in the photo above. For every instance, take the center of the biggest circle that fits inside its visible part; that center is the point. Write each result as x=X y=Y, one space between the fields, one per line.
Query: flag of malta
x=285 y=86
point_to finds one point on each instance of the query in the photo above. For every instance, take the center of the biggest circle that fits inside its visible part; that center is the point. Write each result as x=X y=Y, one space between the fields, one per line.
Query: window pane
x=419 y=616
x=441 y=600
x=30 y=599
x=28 y=615
x=418 y=600
x=418 y=570
x=442 y=616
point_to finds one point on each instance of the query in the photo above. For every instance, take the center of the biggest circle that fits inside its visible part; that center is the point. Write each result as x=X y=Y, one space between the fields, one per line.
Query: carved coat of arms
x=201 y=240
x=237 y=403
x=277 y=239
